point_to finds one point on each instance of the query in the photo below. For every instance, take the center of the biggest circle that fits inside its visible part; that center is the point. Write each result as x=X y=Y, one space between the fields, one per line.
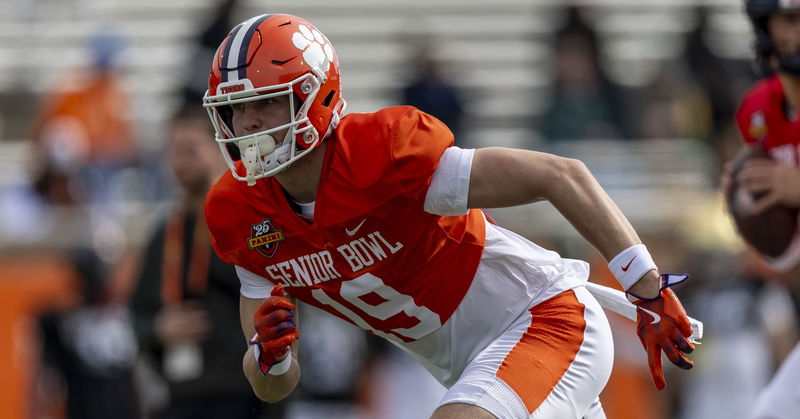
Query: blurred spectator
x=723 y=81
x=185 y=303
x=431 y=89
x=331 y=381
x=401 y=387
x=366 y=377
x=674 y=105
x=694 y=95
x=585 y=103
x=83 y=135
x=91 y=349
x=207 y=40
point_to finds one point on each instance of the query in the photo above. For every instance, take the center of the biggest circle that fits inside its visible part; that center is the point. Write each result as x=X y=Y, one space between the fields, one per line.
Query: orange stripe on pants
x=550 y=344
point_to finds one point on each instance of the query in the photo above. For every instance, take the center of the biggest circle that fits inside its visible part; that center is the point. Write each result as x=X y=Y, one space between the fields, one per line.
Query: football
x=770 y=232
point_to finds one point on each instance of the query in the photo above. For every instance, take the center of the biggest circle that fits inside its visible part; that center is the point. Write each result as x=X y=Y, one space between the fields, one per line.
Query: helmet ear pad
x=319 y=116
x=326 y=105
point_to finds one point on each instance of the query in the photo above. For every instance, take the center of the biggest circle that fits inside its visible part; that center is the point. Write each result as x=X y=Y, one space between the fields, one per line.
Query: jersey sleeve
x=418 y=141
x=449 y=189
x=252 y=285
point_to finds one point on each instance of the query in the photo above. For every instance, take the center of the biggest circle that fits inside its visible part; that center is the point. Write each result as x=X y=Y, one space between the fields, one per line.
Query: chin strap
x=256 y=162
x=254 y=149
x=260 y=155
x=279 y=156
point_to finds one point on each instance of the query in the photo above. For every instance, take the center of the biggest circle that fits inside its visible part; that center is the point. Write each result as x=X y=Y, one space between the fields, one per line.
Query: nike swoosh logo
x=355 y=230
x=656 y=317
x=625 y=268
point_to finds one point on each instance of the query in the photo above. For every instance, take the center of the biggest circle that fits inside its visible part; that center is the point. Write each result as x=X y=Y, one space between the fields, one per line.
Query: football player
x=768 y=119
x=375 y=218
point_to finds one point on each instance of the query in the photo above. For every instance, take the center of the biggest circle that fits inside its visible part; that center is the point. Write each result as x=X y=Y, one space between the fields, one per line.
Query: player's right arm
x=502 y=177
x=268 y=386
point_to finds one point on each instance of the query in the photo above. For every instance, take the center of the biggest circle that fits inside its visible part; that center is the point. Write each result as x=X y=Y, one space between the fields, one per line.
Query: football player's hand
x=662 y=325
x=779 y=183
x=275 y=328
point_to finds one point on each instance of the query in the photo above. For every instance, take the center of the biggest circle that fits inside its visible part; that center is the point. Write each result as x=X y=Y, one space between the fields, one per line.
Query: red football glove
x=275 y=328
x=662 y=325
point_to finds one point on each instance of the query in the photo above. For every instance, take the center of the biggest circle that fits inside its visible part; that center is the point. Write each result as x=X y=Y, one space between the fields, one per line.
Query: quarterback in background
x=375 y=218
x=768 y=120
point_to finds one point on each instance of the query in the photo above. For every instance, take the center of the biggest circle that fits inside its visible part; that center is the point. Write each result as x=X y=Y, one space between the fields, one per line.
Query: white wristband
x=279 y=368
x=631 y=264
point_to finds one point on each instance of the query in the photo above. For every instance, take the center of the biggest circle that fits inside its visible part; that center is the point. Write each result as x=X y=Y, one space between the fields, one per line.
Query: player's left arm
x=502 y=177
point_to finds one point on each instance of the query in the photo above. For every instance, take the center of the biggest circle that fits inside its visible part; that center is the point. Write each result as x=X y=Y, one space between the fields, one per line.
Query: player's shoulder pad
x=378 y=125
x=400 y=143
x=417 y=143
x=420 y=135
x=397 y=132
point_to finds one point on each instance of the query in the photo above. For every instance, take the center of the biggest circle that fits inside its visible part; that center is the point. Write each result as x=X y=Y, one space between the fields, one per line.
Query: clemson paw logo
x=317 y=51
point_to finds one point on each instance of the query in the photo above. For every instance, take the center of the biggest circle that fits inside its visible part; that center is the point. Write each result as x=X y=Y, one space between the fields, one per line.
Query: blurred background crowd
x=106 y=154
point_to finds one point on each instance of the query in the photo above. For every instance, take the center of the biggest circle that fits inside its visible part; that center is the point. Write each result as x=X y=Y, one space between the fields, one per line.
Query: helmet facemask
x=273 y=55
x=262 y=154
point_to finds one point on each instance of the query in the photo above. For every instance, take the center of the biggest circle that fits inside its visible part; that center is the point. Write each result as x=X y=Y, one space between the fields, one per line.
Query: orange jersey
x=372 y=255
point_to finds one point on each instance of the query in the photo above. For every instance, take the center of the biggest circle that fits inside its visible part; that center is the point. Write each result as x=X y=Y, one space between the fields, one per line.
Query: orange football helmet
x=264 y=57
